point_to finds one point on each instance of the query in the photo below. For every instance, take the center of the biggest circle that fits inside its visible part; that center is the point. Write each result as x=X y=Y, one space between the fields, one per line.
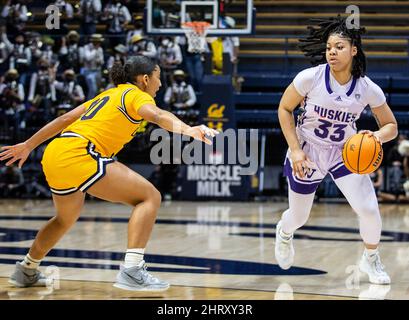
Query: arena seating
x=270 y=58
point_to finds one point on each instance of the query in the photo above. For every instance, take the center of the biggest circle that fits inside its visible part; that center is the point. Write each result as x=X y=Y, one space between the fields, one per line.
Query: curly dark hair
x=314 y=45
x=134 y=66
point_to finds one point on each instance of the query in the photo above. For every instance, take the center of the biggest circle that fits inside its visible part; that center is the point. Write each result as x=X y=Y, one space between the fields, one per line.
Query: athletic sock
x=134 y=257
x=30 y=262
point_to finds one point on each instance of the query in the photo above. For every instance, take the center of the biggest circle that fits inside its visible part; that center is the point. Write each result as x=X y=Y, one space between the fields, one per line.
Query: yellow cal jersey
x=78 y=157
x=111 y=119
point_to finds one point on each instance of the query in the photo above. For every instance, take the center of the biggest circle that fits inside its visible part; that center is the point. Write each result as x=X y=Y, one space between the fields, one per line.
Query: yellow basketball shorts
x=71 y=163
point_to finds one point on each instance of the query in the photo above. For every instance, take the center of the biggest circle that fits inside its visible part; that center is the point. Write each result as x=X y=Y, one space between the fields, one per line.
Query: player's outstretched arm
x=21 y=151
x=170 y=122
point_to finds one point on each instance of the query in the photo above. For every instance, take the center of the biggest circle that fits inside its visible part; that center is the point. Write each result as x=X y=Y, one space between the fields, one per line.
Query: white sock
x=133 y=257
x=30 y=262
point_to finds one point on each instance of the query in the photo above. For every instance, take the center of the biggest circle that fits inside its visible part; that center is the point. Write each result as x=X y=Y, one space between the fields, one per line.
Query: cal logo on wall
x=217 y=102
x=216 y=179
x=215 y=117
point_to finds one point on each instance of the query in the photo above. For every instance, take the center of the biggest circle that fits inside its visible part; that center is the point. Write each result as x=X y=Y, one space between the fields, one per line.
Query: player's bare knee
x=152 y=196
x=66 y=222
x=155 y=198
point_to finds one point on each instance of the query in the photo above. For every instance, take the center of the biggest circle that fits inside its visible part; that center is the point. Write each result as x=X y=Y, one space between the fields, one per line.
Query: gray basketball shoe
x=139 y=279
x=24 y=277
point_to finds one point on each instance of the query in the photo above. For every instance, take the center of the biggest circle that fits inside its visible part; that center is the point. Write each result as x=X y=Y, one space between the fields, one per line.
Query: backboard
x=227 y=17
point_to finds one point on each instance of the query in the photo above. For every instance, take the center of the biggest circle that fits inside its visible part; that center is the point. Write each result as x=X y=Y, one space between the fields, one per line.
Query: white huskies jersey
x=331 y=109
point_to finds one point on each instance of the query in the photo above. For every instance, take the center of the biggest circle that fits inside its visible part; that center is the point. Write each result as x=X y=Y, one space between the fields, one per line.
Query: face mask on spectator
x=165 y=42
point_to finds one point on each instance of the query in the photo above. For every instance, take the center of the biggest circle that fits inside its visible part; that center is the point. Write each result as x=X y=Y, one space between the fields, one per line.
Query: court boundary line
x=222 y=288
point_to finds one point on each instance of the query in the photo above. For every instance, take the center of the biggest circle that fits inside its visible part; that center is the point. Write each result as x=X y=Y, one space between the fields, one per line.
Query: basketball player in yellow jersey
x=80 y=161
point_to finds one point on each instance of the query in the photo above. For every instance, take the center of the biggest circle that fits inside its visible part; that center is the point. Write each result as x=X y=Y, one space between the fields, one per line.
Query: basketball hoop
x=196 y=32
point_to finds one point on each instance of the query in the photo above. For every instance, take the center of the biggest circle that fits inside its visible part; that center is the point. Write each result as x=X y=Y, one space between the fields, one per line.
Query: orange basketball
x=362 y=153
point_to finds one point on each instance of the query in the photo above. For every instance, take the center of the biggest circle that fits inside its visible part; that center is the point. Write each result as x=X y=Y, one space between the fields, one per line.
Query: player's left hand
x=200 y=133
x=376 y=134
x=17 y=152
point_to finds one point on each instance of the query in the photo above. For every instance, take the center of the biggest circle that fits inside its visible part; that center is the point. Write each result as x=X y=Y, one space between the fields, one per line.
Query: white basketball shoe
x=284 y=249
x=139 y=279
x=372 y=266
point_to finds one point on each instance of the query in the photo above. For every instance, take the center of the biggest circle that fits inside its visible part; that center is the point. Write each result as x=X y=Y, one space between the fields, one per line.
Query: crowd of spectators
x=47 y=73
x=391 y=181
x=43 y=76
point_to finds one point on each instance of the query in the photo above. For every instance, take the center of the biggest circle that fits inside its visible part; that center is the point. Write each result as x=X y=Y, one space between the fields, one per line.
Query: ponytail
x=117 y=74
x=134 y=66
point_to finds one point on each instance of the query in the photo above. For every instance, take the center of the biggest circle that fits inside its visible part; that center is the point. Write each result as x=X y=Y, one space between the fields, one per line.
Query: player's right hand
x=300 y=163
x=376 y=134
x=200 y=133
x=17 y=152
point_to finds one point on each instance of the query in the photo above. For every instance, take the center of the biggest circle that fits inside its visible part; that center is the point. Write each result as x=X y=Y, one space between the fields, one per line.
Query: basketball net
x=196 y=32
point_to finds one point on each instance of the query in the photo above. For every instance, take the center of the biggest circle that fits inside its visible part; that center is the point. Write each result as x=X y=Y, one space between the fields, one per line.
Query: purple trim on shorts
x=340 y=172
x=304 y=188
x=288 y=171
x=301 y=187
x=335 y=165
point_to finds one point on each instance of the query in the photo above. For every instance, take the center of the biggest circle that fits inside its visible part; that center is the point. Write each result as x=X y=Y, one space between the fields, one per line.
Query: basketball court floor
x=207 y=250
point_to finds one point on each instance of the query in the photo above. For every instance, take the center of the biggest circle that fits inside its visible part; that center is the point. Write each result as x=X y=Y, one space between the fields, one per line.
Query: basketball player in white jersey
x=333 y=95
